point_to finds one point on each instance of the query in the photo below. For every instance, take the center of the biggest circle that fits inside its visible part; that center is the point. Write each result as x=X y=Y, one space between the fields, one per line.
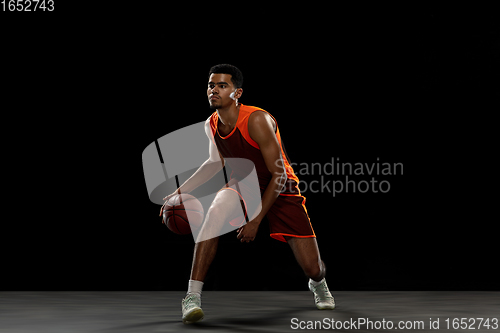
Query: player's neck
x=229 y=116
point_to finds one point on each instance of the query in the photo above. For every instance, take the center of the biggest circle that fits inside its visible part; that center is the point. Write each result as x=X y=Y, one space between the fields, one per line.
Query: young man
x=241 y=131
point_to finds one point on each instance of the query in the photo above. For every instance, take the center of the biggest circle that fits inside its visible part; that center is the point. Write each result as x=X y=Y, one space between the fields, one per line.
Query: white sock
x=314 y=283
x=195 y=287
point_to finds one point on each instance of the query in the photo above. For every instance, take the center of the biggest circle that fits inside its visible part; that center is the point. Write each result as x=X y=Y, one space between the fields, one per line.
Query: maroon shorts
x=287 y=216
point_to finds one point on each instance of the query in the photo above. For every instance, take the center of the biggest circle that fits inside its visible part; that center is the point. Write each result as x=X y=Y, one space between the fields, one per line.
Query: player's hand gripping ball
x=183 y=214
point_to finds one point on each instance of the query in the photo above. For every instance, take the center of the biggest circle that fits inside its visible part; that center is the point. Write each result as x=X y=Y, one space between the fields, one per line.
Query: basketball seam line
x=184 y=221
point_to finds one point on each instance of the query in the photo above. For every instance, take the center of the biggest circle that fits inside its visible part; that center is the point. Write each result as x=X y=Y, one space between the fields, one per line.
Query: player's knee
x=222 y=206
x=216 y=213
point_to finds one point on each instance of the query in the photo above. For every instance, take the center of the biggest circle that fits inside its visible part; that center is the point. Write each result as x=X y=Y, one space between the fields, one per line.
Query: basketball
x=183 y=213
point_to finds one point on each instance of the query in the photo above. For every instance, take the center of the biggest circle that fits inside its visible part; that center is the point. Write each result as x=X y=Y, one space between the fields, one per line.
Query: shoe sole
x=193 y=316
x=325 y=307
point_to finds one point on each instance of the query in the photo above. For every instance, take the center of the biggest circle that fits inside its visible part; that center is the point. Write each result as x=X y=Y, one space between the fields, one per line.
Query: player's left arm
x=261 y=130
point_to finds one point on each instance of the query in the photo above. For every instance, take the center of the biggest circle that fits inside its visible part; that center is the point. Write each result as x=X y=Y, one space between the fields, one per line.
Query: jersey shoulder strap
x=245 y=112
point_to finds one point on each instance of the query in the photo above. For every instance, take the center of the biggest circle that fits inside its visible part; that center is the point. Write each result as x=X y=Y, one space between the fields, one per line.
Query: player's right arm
x=215 y=156
x=207 y=170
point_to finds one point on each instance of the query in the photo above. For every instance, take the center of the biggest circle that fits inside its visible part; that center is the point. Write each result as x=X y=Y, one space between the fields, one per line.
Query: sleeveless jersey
x=239 y=144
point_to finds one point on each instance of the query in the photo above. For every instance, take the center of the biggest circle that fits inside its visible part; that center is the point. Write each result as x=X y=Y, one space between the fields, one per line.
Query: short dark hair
x=236 y=75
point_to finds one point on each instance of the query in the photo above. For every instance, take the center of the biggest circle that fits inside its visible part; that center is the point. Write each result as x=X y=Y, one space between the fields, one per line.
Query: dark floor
x=232 y=311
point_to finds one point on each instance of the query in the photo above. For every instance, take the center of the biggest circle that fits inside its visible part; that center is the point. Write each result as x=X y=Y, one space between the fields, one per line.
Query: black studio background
x=355 y=85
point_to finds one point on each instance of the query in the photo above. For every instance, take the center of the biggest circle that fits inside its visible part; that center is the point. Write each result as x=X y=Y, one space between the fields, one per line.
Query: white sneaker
x=191 y=309
x=322 y=297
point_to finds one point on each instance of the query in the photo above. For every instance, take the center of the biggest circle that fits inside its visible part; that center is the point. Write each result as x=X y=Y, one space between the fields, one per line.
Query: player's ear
x=238 y=93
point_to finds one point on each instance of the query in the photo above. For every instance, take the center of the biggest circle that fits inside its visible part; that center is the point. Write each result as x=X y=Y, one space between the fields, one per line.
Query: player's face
x=219 y=89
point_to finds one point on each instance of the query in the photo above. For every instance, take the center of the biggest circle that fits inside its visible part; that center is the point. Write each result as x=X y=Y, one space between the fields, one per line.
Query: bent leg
x=307 y=254
x=223 y=206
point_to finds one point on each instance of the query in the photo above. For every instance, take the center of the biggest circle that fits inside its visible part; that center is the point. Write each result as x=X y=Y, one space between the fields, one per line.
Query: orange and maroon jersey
x=239 y=144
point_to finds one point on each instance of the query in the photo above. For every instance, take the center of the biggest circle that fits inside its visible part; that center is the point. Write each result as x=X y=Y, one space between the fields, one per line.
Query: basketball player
x=241 y=131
